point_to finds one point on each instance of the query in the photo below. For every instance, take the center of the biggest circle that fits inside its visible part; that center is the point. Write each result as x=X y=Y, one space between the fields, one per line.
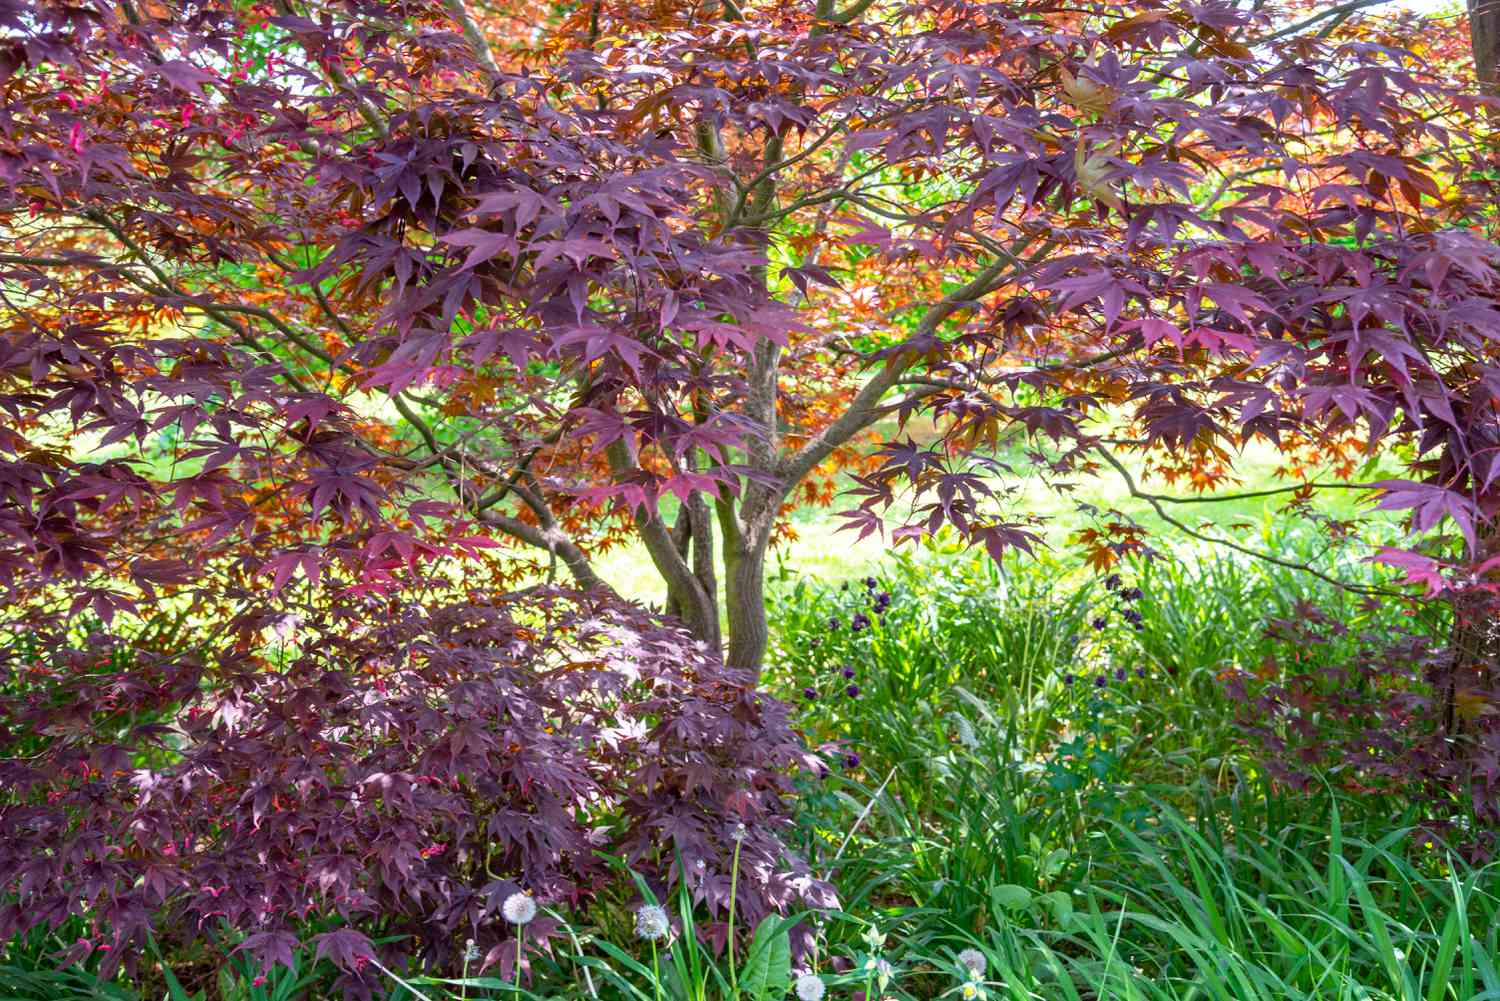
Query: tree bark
x=697 y=605
x=747 y=537
x=1484 y=38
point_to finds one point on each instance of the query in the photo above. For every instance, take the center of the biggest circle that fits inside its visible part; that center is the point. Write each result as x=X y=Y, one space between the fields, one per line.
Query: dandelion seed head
x=651 y=923
x=519 y=908
x=810 y=987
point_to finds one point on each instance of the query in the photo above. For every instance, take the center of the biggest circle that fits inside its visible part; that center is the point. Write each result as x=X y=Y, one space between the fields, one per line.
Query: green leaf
x=1010 y=897
x=1060 y=905
x=175 y=990
x=768 y=965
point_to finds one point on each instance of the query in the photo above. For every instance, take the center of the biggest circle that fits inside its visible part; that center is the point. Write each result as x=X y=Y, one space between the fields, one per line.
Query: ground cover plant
x=344 y=344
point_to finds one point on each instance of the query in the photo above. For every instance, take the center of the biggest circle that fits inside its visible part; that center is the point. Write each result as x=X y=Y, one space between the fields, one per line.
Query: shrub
x=400 y=766
x=1388 y=713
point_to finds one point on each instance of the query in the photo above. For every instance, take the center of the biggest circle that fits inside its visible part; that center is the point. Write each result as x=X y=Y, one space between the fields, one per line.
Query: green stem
x=655 y=973
x=520 y=940
x=734 y=879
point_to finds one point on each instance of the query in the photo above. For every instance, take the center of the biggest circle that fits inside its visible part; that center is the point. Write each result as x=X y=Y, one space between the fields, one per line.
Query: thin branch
x=367 y=109
x=1340 y=14
x=169 y=289
x=550 y=537
x=1257 y=494
x=1156 y=505
x=476 y=39
x=864 y=409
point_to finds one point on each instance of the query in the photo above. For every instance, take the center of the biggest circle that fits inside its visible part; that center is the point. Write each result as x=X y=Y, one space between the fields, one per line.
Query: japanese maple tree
x=356 y=285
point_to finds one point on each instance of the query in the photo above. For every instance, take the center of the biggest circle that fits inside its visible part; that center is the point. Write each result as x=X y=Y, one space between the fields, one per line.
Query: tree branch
x=553 y=542
x=863 y=410
x=1339 y=13
x=698 y=609
x=1156 y=505
x=477 y=42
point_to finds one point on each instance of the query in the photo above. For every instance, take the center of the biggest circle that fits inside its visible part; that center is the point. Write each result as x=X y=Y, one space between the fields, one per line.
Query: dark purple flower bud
x=852 y=691
x=1132 y=594
x=1140 y=672
x=1099 y=623
x=859 y=622
x=848 y=672
x=834 y=623
x=871 y=583
x=1140 y=627
x=1068 y=680
x=810 y=694
x=1120 y=674
x=1100 y=681
x=851 y=760
x=1112 y=581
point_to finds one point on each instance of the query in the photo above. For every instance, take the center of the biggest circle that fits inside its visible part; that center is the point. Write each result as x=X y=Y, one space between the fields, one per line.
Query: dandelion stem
x=520 y=940
x=734 y=879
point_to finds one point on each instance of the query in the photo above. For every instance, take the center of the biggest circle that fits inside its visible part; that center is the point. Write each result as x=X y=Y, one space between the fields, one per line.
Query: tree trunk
x=1484 y=38
x=745 y=602
x=746 y=533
